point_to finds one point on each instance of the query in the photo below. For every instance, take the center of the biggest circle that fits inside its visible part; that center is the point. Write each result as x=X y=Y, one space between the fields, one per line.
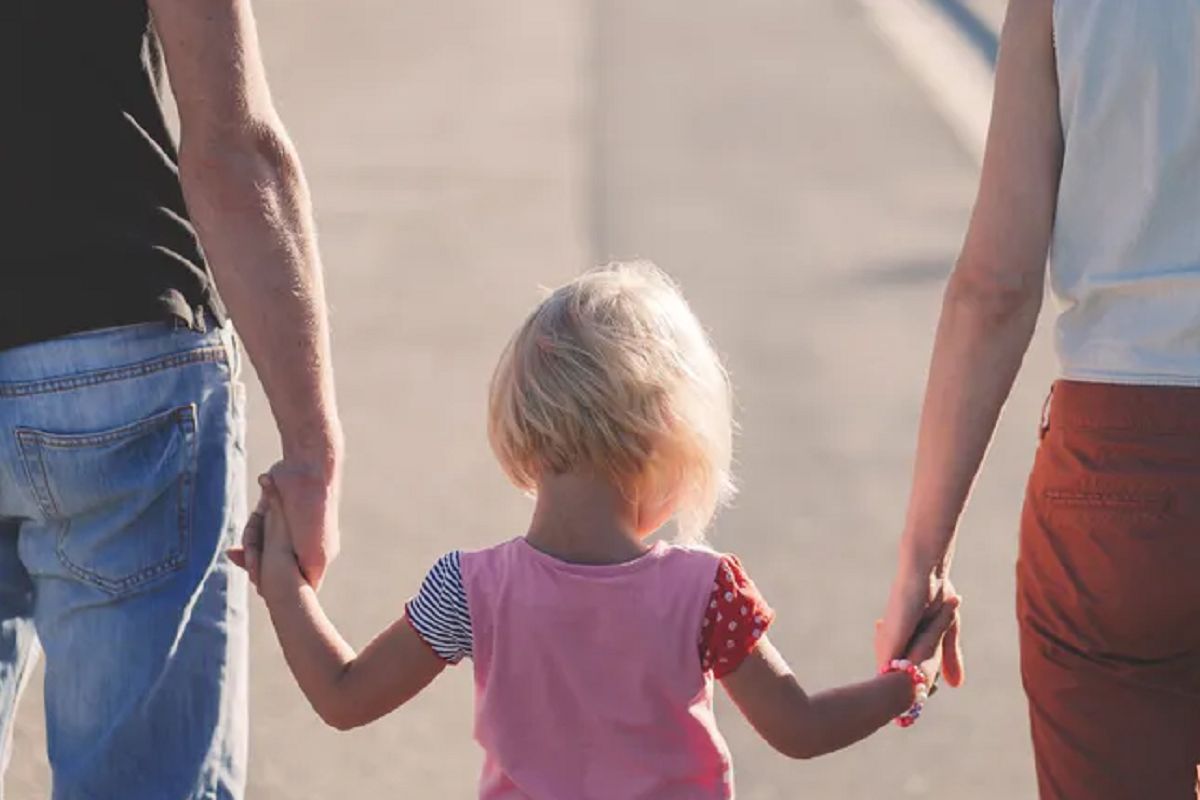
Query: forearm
x=995 y=293
x=846 y=715
x=800 y=726
x=315 y=652
x=980 y=343
x=247 y=196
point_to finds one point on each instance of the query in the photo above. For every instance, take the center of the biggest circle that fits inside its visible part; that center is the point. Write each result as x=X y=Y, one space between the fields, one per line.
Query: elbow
x=798 y=747
x=993 y=296
x=799 y=751
x=338 y=718
x=247 y=151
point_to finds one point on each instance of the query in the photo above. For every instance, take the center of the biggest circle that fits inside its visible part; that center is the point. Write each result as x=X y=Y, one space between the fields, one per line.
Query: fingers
x=270 y=492
x=952 y=664
x=939 y=621
x=895 y=632
x=930 y=634
x=308 y=504
x=313 y=569
x=312 y=564
x=252 y=542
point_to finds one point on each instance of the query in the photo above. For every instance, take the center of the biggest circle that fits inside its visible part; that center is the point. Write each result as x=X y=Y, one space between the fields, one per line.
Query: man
x=122 y=471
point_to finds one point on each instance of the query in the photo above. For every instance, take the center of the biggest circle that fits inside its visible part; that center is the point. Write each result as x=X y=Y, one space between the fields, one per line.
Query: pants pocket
x=1109 y=500
x=120 y=499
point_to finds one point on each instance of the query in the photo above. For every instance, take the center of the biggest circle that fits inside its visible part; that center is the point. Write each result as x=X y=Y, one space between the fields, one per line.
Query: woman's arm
x=800 y=726
x=989 y=311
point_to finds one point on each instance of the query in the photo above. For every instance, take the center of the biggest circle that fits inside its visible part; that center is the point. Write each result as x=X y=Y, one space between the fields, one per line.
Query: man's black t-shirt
x=94 y=232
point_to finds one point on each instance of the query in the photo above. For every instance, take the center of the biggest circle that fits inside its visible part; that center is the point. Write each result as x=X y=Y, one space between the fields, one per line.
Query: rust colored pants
x=1108 y=594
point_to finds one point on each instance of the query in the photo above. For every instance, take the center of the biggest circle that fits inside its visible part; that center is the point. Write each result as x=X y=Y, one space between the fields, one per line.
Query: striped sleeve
x=439 y=612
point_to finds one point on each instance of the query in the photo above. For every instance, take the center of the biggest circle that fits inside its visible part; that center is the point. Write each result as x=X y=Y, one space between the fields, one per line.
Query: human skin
x=989 y=312
x=247 y=196
x=349 y=689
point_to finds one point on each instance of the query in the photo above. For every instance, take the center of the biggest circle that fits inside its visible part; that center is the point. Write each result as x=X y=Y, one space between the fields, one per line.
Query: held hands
x=309 y=502
x=267 y=542
x=914 y=599
x=926 y=647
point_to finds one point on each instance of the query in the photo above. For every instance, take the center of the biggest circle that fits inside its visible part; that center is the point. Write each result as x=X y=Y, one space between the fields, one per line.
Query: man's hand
x=309 y=504
x=309 y=498
x=912 y=597
x=248 y=198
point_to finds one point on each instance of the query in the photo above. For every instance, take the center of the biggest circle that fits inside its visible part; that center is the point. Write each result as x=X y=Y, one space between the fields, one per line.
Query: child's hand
x=925 y=649
x=269 y=539
x=248 y=554
x=278 y=556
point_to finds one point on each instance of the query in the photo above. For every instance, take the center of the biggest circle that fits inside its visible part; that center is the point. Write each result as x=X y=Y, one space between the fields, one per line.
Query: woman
x=1094 y=159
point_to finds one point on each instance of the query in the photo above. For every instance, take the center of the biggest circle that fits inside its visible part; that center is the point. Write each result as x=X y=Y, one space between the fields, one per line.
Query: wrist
x=925 y=555
x=318 y=456
x=280 y=586
x=916 y=686
x=900 y=692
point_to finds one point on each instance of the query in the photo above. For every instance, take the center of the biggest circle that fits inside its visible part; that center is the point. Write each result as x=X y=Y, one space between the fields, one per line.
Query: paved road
x=773 y=157
x=812 y=204
x=990 y=11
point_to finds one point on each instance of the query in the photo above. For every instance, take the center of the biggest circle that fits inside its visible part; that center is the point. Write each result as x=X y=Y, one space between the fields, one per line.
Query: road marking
x=951 y=68
x=981 y=35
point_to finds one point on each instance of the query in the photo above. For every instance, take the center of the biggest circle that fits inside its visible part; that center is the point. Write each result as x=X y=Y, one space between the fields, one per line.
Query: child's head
x=612 y=375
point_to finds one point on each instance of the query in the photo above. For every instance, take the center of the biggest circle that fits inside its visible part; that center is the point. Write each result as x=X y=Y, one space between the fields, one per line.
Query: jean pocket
x=120 y=499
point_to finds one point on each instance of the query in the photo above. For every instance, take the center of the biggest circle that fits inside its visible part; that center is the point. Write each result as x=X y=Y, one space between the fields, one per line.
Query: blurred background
x=805 y=168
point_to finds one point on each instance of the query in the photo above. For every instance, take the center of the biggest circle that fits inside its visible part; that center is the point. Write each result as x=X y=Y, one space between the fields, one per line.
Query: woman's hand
x=989 y=312
x=914 y=596
x=927 y=648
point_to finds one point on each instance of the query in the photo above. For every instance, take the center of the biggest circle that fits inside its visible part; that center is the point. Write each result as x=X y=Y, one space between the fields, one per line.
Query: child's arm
x=800 y=726
x=346 y=690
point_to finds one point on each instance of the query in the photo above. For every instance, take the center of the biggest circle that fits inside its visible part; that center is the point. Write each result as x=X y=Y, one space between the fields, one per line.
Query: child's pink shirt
x=587 y=680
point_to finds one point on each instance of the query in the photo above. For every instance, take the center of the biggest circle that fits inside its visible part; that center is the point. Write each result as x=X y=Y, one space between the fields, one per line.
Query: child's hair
x=613 y=373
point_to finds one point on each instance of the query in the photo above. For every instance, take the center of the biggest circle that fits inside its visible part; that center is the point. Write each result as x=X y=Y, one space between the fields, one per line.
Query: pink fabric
x=588 y=684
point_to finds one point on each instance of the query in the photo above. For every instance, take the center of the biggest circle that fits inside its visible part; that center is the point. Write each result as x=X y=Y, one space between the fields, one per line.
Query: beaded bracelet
x=921 y=689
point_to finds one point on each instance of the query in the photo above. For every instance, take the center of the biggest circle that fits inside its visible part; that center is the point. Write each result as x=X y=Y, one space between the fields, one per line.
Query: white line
x=957 y=78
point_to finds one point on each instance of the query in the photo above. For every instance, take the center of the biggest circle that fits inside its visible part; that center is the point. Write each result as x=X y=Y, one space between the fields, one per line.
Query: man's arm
x=247 y=196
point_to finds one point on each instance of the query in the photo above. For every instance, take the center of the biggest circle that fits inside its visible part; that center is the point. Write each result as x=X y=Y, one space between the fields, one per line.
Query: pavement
x=990 y=12
x=772 y=156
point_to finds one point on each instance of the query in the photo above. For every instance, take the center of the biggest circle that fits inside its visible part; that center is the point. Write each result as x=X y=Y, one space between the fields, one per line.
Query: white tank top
x=1125 y=258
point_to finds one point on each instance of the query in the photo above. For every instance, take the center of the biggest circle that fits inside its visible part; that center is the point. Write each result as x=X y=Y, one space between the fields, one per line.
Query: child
x=595 y=651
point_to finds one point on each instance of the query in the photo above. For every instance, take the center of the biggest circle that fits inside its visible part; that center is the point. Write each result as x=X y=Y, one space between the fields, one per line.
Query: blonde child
x=595 y=651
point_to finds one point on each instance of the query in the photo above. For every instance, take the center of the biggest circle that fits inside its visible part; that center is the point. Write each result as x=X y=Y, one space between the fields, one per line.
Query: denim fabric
x=122 y=481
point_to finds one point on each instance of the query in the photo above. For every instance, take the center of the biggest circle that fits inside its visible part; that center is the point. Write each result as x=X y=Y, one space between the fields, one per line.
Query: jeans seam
x=216 y=354
x=40 y=488
x=117 y=586
x=179 y=416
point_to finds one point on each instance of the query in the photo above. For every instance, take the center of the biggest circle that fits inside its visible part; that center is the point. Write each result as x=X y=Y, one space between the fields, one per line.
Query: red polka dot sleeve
x=736 y=618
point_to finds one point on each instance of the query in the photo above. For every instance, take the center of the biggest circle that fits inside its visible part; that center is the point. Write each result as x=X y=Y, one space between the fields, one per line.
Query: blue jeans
x=122 y=481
